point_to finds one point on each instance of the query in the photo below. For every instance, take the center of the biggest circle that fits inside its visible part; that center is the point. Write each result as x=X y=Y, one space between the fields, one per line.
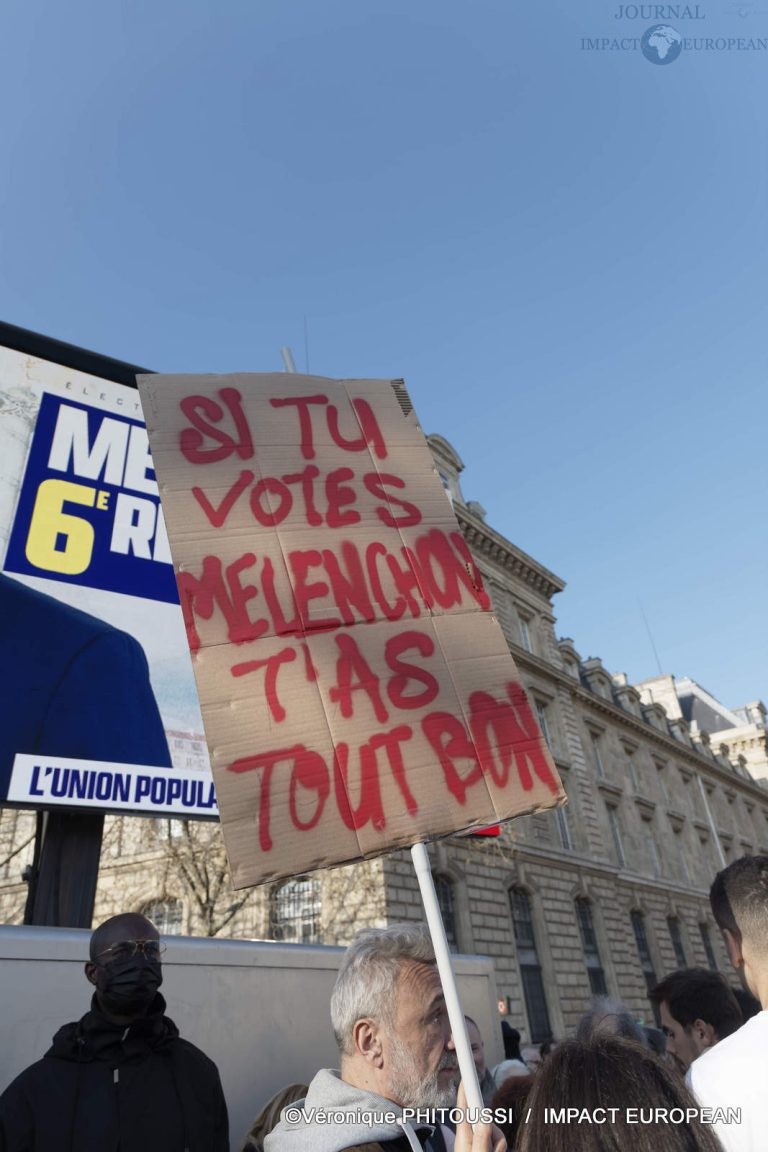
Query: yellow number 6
x=49 y=523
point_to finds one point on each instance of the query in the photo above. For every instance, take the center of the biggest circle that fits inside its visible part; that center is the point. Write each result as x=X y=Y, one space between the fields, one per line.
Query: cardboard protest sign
x=357 y=693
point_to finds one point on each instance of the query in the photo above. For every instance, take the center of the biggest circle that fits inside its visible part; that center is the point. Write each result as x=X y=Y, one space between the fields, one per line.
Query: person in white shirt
x=734 y=1074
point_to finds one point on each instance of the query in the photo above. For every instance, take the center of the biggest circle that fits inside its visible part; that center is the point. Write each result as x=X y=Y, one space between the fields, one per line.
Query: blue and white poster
x=100 y=709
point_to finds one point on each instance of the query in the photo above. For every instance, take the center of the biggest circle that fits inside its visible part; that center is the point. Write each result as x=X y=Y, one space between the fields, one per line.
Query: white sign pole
x=447 y=977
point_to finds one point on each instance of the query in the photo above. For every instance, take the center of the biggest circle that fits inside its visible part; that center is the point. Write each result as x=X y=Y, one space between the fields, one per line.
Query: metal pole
x=447 y=977
x=711 y=822
x=62 y=886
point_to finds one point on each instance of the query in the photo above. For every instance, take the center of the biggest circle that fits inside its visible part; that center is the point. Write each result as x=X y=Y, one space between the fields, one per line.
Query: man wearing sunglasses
x=121 y=1077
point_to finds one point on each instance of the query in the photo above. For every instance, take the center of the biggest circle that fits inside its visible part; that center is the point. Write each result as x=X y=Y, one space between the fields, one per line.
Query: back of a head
x=511 y=1098
x=749 y=1004
x=269 y=1116
x=609 y=1076
x=511 y=1038
x=608 y=1017
x=700 y=994
x=739 y=899
x=656 y=1040
x=367 y=981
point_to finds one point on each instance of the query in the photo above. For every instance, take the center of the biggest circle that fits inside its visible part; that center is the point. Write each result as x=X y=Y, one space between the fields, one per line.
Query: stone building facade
x=606 y=895
x=743 y=730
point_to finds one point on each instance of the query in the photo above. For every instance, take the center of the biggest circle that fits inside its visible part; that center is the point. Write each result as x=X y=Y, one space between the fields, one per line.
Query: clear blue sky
x=564 y=252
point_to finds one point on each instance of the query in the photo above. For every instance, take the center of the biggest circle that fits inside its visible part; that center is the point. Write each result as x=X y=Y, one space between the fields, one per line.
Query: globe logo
x=661 y=44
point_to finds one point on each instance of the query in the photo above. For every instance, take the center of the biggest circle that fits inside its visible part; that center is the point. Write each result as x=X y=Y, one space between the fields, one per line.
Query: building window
x=10 y=819
x=444 y=890
x=530 y=968
x=708 y=949
x=709 y=852
x=564 y=829
x=632 y=769
x=564 y=826
x=596 y=757
x=653 y=850
x=522 y=919
x=661 y=776
x=589 y=944
x=643 y=950
x=114 y=841
x=541 y=714
x=169 y=830
x=677 y=941
x=690 y=799
x=525 y=632
x=682 y=856
x=295 y=911
x=166 y=915
x=613 y=820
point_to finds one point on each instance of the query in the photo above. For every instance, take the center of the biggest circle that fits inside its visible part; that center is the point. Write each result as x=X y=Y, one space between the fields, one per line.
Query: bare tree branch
x=25 y=844
x=197 y=866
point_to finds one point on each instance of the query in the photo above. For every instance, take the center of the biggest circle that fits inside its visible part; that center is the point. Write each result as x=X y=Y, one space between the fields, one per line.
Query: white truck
x=259 y=1010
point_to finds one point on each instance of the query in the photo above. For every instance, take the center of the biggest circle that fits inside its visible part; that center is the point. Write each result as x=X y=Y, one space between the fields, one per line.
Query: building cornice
x=530 y=663
x=528 y=660
x=609 y=788
x=496 y=548
x=589 y=866
x=669 y=743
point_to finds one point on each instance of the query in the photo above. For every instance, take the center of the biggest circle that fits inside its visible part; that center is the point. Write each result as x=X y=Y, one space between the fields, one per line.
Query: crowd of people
x=121 y=1079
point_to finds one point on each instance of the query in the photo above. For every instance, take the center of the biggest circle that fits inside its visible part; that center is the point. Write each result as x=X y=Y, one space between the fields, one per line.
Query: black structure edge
x=68 y=355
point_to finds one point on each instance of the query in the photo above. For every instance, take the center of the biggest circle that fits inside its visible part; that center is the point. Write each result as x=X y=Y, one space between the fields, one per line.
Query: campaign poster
x=99 y=706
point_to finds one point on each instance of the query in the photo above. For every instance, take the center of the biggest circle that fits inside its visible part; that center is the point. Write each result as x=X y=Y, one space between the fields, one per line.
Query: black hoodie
x=106 y=1088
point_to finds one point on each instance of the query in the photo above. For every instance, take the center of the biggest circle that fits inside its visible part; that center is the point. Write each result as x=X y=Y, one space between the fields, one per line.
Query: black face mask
x=128 y=987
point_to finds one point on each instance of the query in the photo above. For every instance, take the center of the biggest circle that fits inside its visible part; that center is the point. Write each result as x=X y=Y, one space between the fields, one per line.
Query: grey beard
x=412 y=1092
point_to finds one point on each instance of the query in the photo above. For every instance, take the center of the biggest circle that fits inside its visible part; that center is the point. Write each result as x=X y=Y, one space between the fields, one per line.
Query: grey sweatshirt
x=356 y=1117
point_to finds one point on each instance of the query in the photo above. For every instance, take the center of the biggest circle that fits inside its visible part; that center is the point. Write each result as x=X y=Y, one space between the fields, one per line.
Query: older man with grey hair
x=396 y=1052
x=608 y=1017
